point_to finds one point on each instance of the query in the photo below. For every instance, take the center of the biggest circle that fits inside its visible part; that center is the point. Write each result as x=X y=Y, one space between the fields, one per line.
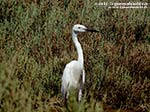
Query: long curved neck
x=78 y=47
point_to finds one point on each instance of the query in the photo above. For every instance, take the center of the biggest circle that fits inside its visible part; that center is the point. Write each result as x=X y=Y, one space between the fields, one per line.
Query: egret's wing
x=82 y=79
x=83 y=76
x=63 y=91
x=65 y=81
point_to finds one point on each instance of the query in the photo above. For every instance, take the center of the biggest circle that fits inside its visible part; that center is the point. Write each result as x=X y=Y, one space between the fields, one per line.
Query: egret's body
x=74 y=74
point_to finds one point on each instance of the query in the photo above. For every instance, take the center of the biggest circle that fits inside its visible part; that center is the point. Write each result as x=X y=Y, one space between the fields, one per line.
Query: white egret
x=74 y=70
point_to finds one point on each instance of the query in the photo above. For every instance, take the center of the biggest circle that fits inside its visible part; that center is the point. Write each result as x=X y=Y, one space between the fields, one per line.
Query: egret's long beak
x=91 y=30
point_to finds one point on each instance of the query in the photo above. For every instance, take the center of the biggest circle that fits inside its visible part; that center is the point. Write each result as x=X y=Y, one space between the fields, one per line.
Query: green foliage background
x=35 y=45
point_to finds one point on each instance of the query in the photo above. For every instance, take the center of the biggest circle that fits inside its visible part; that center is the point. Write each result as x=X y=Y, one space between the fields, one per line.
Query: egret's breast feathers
x=74 y=73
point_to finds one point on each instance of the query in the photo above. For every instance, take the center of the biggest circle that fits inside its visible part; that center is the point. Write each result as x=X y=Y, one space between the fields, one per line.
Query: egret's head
x=81 y=28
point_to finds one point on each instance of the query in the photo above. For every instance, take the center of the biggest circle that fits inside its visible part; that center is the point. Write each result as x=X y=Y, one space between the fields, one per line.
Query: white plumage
x=74 y=74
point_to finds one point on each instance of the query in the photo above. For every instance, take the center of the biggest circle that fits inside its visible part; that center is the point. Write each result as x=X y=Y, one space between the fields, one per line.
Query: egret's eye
x=79 y=27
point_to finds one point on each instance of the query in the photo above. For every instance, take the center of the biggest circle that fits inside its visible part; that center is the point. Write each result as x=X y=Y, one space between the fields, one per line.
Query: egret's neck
x=78 y=47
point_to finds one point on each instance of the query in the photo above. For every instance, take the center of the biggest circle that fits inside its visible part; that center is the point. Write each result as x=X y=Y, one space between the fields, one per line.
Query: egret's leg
x=80 y=95
x=66 y=98
x=67 y=95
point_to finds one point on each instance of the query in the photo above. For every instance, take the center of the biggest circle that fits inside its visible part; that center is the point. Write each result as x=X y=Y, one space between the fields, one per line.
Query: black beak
x=91 y=30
